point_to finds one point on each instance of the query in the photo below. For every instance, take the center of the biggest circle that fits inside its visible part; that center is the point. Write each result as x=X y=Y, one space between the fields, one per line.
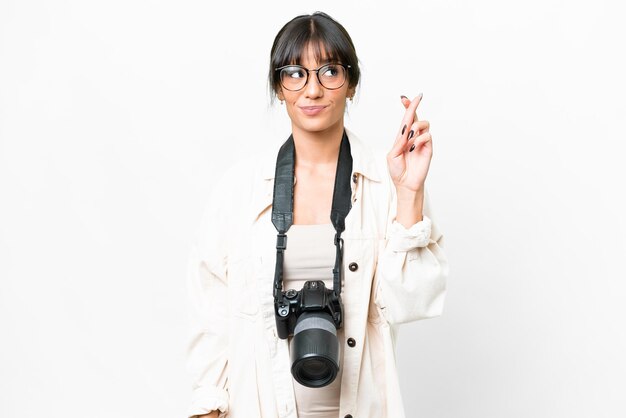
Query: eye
x=330 y=71
x=293 y=72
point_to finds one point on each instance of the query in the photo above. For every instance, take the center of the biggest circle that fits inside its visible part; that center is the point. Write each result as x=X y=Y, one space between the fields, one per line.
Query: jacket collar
x=363 y=163
x=362 y=160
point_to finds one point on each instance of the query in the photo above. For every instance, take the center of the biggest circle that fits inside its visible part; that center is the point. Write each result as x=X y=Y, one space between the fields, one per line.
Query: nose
x=313 y=87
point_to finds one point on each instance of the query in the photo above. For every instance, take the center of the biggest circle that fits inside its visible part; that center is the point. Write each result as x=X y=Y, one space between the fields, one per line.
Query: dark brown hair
x=325 y=35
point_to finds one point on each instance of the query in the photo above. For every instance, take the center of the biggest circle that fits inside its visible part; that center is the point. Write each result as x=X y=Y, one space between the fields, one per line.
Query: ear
x=280 y=94
x=351 y=92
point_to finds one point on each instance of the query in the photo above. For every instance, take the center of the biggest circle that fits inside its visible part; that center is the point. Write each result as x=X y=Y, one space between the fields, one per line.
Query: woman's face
x=315 y=108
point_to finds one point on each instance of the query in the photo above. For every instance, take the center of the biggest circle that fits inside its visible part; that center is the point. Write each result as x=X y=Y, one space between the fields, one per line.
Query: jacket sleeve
x=412 y=268
x=207 y=298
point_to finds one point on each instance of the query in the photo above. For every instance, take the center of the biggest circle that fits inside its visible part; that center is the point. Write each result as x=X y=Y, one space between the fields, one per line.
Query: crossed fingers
x=412 y=131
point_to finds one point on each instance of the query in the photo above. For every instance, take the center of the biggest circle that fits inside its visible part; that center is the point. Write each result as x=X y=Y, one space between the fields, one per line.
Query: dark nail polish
x=404 y=97
x=403 y=129
x=412 y=148
x=410 y=134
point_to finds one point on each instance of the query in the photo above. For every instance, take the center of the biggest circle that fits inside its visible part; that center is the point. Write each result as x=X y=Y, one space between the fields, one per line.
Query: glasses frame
x=317 y=74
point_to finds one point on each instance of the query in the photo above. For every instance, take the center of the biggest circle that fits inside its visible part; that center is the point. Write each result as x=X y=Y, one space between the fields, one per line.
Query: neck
x=314 y=148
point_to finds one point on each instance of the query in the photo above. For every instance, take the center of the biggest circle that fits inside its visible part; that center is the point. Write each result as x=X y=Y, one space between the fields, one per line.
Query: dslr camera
x=312 y=316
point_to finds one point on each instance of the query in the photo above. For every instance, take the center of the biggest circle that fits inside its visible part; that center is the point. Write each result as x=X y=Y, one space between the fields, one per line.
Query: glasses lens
x=332 y=76
x=293 y=78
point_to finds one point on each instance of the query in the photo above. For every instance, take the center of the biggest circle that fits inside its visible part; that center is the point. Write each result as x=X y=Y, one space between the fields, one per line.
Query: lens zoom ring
x=316 y=322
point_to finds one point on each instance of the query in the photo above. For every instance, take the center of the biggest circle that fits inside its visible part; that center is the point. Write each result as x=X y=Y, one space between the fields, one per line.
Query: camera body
x=313 y=298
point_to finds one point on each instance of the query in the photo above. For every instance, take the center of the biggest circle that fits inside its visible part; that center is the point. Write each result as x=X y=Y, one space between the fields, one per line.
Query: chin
x=317 y=125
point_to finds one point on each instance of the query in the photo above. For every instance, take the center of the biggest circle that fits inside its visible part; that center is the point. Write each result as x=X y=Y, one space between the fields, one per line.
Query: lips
x=311 y=110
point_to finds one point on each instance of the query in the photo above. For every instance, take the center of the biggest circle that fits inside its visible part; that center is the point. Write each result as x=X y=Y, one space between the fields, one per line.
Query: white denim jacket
x=236 y=360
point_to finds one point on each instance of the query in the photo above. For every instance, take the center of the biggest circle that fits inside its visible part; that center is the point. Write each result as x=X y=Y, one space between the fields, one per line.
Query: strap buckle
x=281 y=241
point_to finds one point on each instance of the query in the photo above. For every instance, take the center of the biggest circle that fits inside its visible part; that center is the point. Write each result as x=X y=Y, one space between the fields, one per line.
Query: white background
x=116 y=116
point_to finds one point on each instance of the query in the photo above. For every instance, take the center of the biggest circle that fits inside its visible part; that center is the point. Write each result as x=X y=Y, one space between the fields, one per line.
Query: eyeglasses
x=330 y=76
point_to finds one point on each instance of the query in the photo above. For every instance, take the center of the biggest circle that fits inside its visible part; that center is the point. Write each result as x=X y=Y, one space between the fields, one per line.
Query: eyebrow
x=321 y=65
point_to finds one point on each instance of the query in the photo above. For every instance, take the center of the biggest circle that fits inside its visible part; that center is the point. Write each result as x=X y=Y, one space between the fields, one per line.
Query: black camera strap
x=282 y=206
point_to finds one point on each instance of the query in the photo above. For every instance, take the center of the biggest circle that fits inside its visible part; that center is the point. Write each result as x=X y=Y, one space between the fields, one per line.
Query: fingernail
x=421 y=95
x=410 y=134
x=412 y=148
x=404 y=97
x=403 y=129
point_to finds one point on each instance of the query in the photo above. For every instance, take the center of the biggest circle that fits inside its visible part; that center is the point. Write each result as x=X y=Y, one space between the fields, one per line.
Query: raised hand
x=409 y=158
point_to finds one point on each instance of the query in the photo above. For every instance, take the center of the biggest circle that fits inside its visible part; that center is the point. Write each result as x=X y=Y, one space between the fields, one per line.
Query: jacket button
x=354 y=178
x=353 y=266
x=351 y=342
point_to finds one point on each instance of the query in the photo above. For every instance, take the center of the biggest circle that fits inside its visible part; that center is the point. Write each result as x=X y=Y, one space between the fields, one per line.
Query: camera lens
x=315 y=350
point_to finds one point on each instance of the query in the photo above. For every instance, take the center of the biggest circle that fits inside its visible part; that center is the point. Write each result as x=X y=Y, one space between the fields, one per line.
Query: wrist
x=410 y=207
x=409 y=195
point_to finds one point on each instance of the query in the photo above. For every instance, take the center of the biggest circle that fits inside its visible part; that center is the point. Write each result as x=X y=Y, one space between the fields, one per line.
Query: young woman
x=378 y=262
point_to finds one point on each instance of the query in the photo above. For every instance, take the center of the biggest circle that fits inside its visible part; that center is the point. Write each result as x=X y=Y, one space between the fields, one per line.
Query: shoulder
x=369 y=158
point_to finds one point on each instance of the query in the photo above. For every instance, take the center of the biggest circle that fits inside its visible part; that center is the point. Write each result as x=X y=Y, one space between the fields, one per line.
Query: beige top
x=310 y=255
